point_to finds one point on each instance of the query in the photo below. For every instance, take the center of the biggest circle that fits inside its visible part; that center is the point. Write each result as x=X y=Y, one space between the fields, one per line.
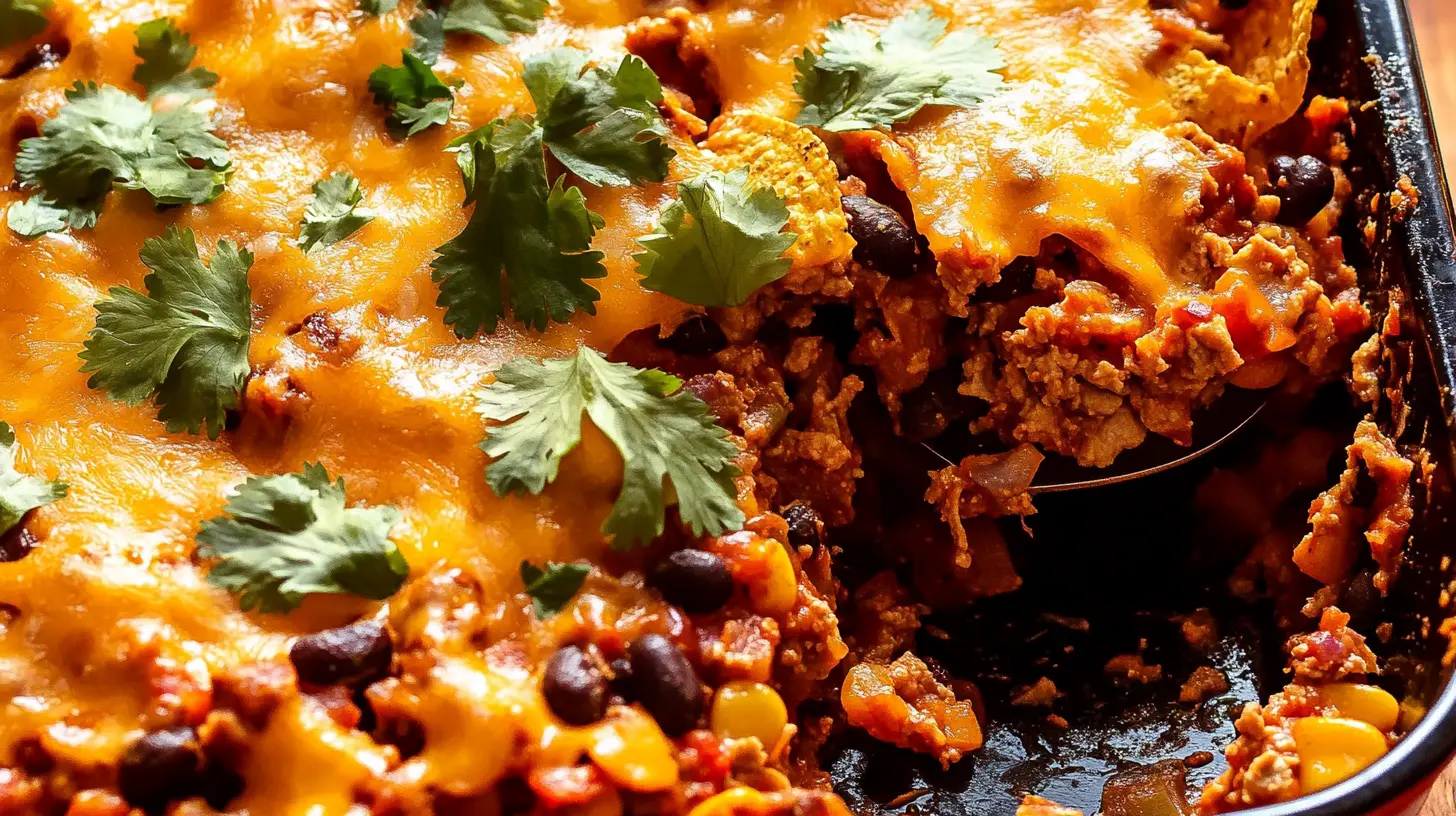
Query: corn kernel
x=1358 y=701
x=777 y=591
x=633 y=752
x=1333 y=749
x=744 y=709
x=731 y=801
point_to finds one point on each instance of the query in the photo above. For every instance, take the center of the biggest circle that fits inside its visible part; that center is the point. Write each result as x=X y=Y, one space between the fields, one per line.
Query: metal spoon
x=1211 y=427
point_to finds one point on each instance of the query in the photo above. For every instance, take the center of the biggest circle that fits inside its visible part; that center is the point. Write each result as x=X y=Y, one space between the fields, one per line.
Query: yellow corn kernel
x=743 y=709
x=730 y=802
x=1333 y=749
x=777 y=591
x=632 y=751
x=1371 y=704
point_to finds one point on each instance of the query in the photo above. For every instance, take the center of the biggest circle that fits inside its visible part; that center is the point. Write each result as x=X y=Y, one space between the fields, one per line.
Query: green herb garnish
x=552 y=588
x=718 y=243
x=19 y=493
x=185 y=342
x=662 y=432
x=334 y=213
x=104 y=137
x=284 y=537
x=22 y=19
x=166 y=52
x=415 y=97
x=860 y=82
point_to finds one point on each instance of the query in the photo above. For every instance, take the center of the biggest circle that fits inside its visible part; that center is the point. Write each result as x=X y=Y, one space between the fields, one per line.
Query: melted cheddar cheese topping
x=114 y=629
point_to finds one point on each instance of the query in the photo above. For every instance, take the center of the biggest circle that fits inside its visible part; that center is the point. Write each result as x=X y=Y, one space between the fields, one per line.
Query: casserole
x=382 y=705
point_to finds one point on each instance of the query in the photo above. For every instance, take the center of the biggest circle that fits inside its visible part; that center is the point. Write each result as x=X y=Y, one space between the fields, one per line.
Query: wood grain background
x=1435 y=22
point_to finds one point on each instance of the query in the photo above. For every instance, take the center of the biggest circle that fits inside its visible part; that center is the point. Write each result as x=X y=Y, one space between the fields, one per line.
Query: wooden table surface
x=1435 y=22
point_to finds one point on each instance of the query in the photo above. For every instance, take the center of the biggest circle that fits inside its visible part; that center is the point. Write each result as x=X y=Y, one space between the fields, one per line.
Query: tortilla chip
x=796 y=164
x=1260 y=81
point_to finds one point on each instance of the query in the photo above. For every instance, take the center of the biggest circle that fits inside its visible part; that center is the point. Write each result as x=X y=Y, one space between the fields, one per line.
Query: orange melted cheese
x=111 y=606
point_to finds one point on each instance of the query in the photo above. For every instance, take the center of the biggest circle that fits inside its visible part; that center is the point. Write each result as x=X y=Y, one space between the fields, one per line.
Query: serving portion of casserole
x=445 y=408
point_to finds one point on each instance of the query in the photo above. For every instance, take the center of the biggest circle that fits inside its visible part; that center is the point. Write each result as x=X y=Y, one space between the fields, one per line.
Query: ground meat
x=814 y=459
x=885 y=619
x=1331 y=652
x=1041 y=693
x=1131 y=668
x=905 y=705
x=1337 y=517
x=1205 y=682
x=1262 y=761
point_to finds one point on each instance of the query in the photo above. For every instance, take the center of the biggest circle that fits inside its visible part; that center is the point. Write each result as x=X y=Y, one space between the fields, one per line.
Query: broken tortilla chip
x=1258 y=83
x=796 y=164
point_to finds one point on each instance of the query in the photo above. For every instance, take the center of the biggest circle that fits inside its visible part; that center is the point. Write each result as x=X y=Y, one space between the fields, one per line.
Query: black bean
x=354 y=654
x=1304 y=186
x=696 y=335
x=220 y=785
x=574 y=686
x=45 y=54
x=803 y=525
x=1017 y=278
x=16 y=544
x=161 y=767
x=883 y=241
x=622 y=678
x=665 y=684
x=697 y=581
x=927 y=410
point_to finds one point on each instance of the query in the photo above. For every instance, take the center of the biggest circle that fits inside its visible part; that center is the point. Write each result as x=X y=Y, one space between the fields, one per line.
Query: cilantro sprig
x=415 y=97
x=718 y=243
x=185 y=342
x=860 y=82
x=334 y=213
x=536 y=236
x=602 y=125
x=495 y=20
x=22 y=19
x=19 y=493
x=553 y=587
x=378 y=7
x=528 y=241
x=103 y=138
x=166 y=52
x=664 y=434
x=283 y=537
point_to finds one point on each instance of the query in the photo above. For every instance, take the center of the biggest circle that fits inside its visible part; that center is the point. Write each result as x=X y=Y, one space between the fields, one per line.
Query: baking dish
x=1113 y=582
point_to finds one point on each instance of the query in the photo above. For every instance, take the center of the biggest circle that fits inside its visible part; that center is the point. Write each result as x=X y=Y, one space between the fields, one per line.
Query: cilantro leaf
x=166 y=52
x=602 y=125
x=22 y=19
x=105 y=137
x=523 y=233
x=284 y=537
x=495 y=20
x=662 y=432
x=35 y=217
x=553 y=587
x=416 y=98
x=378 y=7
x=718 y=243
x=185 y=342
x=19 y=494
x=428 y=32
x=334 y=214
x=858 y=82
